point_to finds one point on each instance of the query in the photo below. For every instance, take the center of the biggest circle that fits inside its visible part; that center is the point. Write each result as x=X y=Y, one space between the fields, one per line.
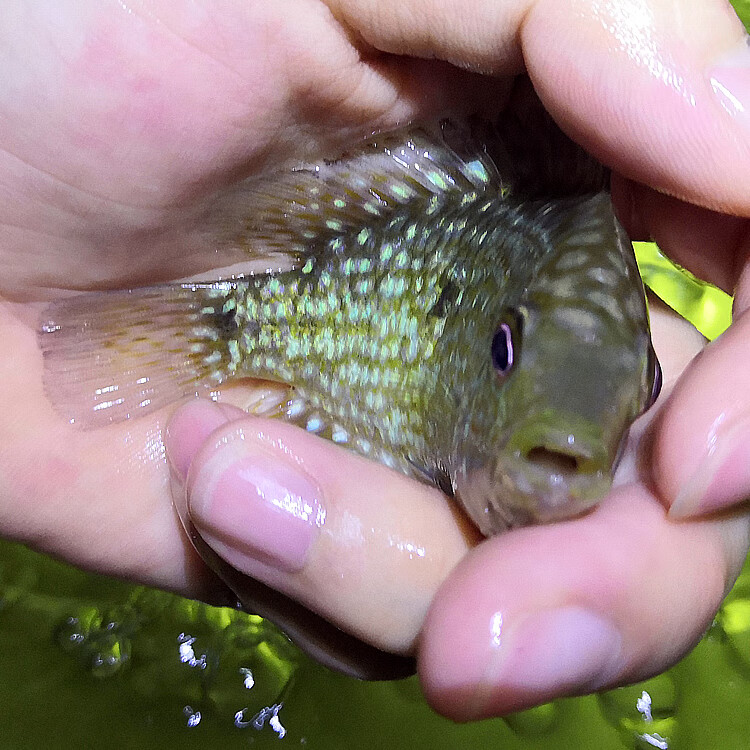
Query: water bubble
x=187 y=653
x=644 y=714
x=99 y=642
x=267 y=715
x=193 y=717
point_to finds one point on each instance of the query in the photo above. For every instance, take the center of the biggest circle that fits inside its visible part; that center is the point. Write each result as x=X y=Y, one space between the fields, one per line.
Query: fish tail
x=115 y=355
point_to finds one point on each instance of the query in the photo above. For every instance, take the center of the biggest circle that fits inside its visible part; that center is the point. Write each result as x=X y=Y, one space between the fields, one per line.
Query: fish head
x=560 y=388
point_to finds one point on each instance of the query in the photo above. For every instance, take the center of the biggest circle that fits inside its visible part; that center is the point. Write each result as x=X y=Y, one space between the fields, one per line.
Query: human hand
x=145 y=188
x=554 y=610
x=122 y=127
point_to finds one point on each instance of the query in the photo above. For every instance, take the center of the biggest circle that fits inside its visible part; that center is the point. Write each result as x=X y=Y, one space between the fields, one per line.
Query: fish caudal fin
x=116 y=355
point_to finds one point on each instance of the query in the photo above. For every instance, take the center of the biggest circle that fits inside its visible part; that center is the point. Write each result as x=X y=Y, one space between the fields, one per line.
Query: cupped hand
x=122 y=127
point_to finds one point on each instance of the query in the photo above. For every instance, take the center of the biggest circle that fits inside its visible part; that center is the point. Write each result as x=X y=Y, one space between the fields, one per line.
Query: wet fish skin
x=411 y=262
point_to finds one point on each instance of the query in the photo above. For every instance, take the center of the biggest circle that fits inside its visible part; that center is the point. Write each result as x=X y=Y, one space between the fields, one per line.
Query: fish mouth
x=543 y=484
x=549 y=485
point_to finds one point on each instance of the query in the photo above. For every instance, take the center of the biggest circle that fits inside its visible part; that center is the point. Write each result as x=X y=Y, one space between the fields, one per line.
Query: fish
x=466 y=321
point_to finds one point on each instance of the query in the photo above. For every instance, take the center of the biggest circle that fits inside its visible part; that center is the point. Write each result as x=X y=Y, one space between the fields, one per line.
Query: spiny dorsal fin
x=297 y=211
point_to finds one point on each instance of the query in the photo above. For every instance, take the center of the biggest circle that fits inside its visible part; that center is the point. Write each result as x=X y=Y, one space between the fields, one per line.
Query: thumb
x=320 y=541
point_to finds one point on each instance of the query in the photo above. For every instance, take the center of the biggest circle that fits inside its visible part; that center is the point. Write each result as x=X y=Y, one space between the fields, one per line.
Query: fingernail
x=721 y=479
x=256 y=509
x=730 y=81
x=551 y=653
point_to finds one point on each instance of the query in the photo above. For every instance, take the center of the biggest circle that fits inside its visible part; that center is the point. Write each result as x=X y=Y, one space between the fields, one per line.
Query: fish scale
x=392 y=292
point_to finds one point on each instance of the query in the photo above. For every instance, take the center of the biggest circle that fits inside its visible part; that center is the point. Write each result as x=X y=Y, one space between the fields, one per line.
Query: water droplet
x=644 y=714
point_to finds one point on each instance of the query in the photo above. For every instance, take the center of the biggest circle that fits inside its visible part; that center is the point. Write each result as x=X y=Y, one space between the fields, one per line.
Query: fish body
x=438 y=319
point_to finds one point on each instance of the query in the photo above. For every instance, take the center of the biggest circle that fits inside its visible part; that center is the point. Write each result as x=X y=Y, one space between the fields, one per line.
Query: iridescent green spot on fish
x=432 y=206
x=364 y=286
x=478 y=170
x=401 y=261
x=437 y=179
x=386 y=252
x=402 y=191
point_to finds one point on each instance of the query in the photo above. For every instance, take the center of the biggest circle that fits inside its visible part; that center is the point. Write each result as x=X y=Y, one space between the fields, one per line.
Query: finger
x=675 y=341
x=648 y=88
x=568 y=608
x=575 y=607
x=658 y=90
x=702 y=438
x=353 y=541
x=714 y=246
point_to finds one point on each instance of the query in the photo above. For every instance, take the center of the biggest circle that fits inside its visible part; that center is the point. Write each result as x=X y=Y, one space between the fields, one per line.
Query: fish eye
x=654 y=369
x=505 y=345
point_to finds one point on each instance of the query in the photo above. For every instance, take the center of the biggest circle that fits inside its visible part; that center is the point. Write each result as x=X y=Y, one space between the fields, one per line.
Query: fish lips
x=516 y=491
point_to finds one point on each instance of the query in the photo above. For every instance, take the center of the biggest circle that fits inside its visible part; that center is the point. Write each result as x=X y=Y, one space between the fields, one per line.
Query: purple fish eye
x=503 y=355
x=656 y=377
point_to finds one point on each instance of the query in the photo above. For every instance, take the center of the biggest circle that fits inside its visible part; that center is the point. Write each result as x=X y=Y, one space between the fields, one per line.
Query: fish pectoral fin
x=436 y=474
x=269 y=400
x=443 y=480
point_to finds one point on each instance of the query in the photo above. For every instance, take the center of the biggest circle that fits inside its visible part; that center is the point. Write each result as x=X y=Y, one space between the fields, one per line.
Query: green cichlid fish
x=447 y=315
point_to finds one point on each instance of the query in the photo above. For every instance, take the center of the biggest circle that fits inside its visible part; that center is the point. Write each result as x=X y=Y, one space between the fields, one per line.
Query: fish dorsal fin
x=296 y=211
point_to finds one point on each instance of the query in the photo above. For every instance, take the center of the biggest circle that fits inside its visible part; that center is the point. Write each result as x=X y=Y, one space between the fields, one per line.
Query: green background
x=86 y=661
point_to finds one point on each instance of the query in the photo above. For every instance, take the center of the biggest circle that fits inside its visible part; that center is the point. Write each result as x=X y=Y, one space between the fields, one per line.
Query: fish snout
x=556 y=460
x=550 y=469
x=554 y=468
x=549 y=449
